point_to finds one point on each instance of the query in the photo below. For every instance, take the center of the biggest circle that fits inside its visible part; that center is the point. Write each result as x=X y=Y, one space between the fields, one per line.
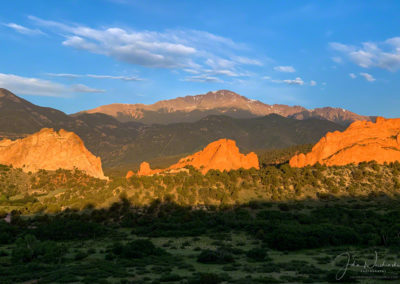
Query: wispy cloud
x=80 y=88
x=368 y=77
x=73 y=76
x=337 y=59
x=203 y=79
x=40 y=87
x=352 y=75
x=385 y=55
x=286 y=69
x=297 y=81
x=123 y=78
x=247 y=61
x=24 y=30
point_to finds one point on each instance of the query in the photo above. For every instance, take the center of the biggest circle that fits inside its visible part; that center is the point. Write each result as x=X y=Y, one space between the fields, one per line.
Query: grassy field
x=181 y=265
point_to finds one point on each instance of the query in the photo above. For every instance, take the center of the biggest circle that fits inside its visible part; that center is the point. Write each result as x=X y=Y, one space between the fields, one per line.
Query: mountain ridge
x=193 y=108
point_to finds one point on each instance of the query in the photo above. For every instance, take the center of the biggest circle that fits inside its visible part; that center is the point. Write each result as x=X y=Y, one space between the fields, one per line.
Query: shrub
x=137 y=249
x=256 y=254
x=215 y=257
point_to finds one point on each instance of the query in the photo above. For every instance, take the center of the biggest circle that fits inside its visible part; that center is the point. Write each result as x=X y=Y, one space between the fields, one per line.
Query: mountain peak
x=9 y=96
x=224 y=93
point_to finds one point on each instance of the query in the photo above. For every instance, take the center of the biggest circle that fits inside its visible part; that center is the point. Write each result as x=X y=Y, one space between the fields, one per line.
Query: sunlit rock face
x=220 y=155
x=362 y=141
x=129 y=174
x=50 y=150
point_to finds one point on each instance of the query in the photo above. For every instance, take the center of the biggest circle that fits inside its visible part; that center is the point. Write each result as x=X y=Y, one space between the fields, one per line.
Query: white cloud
x=64 y=75
x=247 y=61
x=385 y=55
x=80 y=88
x=34 y=86
x=226 y=72
x=203 y=79
x=24 y=30
x=368 y=77
x=73 y=76
x=30 y=86
x=337 y=59
x=189 y=50
x=352 y=75
x=297 y=81
x=191 y=71
x=286 y=69
x=123 y=78
x=313 y=83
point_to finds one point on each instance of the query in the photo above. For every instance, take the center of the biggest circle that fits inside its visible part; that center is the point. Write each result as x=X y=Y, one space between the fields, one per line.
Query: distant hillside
x=271 y=131
x=19 y=117
x=223 y=102
x=131 y=142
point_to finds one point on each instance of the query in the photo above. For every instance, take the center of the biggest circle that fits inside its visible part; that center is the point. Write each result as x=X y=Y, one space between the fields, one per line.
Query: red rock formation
x=219 y=155
x=362 y=141
x=145 y=170
x=129 y=174
x=50 y=150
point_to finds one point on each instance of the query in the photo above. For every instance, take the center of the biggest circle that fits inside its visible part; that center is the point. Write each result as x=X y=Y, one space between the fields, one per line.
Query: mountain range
x=222 y=102
x=130 y=142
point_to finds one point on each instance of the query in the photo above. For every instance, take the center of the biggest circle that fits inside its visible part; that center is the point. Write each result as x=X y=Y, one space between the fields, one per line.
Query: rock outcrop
x=220 y=155
x=50 y=150
x=129 y=174
x=362 y=141
x=145 y=170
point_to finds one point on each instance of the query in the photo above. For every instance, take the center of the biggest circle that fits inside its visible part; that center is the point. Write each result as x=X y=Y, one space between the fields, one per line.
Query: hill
x=18 y=117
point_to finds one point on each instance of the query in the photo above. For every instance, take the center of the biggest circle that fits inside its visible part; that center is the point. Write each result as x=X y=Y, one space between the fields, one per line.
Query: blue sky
x=76 y=55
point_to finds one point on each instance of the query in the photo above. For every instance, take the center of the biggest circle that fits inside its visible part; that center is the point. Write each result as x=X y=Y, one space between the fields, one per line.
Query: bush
x=209 y=278
x=28 y=249
x=7 y=233
x=137 y=249
x=81 y=255
x=215 y=257
x=256 y=254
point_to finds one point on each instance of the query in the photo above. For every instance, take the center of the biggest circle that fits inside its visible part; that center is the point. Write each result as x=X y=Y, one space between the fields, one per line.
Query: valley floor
x=250 y=244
